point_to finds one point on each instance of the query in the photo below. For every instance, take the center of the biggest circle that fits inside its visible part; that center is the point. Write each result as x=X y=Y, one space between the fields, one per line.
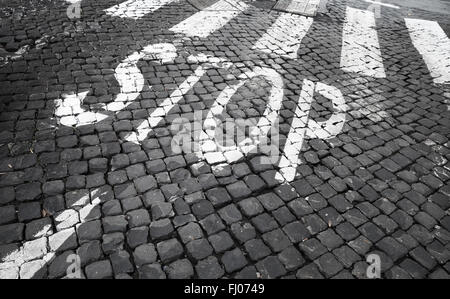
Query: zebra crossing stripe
x=136 y=9
x=212 y=18
x=360 y=47
x=434 y=46
x=285 y=34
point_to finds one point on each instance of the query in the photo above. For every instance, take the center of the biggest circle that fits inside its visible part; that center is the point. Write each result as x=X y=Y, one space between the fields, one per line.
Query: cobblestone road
x=88 y=164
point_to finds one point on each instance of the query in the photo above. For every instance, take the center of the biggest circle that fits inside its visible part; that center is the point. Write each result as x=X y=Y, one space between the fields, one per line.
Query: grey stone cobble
x=151 y=271
x=209 y=268
x=169 y=250
x=145 y=254
x=99 y=270
x=233 y=260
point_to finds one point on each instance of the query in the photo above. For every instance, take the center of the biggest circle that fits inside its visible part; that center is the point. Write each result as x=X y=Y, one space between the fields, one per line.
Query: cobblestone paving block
x=137 y=218
x=291 y=258
x=264 y=223
x=189 y=232
x=209 y=268
x=89 y=252
x=218 y=196
x=329 y=265
x=88 y=231
x=181 y=269
x=112 y=224
x=169 y=250
x=212 y=224
x=112 y=242
x=199 y=249
x=137 y=236
x=58 y=266
x=270 y=267
x=312 y=248
x=144 y=254
x=161 y=229
x=250 y=207
x=277 y=240
x=230 y=214
x=99 y=270
x=221 y=241
x=309 y=271
x=233 y=260
x=243 y=231
x=121 y=263
x=256 y=249
x=152 y=271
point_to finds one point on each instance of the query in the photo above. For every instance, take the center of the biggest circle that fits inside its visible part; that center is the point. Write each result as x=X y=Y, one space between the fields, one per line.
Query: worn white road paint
x=131 y=81
x=265 y=123
x=290 y=160
x=360 y=47
x=334 y=125
x=136 y=9
x=382 y=4
x=434 y=45
x=210 y=19
x=72 y=113
x=129 y=76
x=303 y=7
x=167 y=105
x=177 y=95
x=6 y=57
x=302 y=127
x=285 y=34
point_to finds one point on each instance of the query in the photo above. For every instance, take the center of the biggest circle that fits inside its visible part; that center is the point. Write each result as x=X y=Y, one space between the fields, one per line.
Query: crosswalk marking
x=136 y=9
x=434 y=45
x=360 y=47
x=212 y=18
x=285 y=34
x=303 y=7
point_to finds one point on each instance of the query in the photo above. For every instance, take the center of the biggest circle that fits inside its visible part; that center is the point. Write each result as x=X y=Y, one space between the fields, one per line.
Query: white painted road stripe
x=434 y=45
x=212 y=18
x=294 y=141
x=382 y=4
x=302 y=127
x=360 y=47
x=285 y=34
x=136 y=9
x=168 y=104
x=265 y=123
